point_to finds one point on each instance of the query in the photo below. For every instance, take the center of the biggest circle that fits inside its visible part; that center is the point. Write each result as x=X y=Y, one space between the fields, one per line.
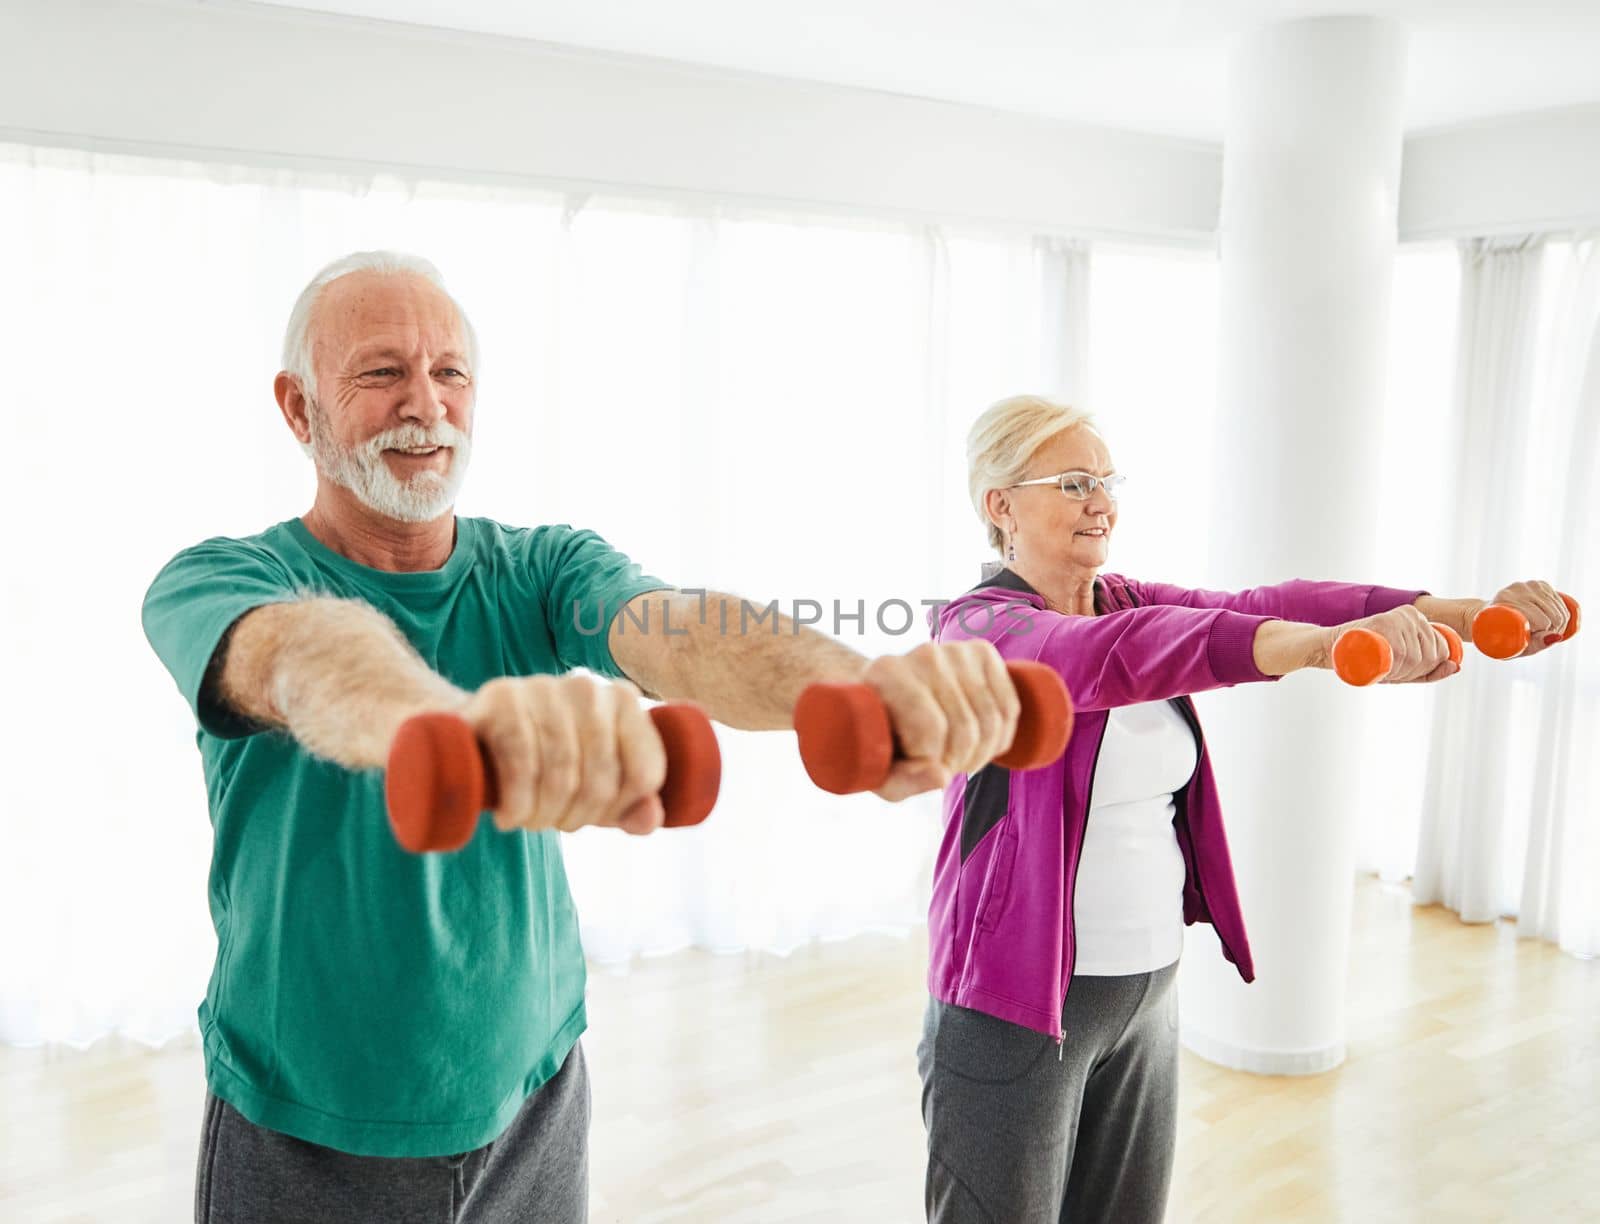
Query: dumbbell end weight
x=846 y=742
x=1500 y=631
x=1361 y=657
x=1045 y=722
x=1453 y=641
x=1574 y=617
x=435 y=784
x=694 y=763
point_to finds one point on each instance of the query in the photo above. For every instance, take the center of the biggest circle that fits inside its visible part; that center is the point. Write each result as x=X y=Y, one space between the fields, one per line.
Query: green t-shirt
x=363 y=998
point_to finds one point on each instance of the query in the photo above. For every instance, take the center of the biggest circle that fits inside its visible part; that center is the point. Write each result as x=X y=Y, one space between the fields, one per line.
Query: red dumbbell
x=1502 y=632
x=1362 y=657
x=847 y=744
x=439 y=778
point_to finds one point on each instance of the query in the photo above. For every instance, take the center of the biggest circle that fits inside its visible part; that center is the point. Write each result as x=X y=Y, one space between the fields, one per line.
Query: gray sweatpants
x=1021 y=1131
x=535 y=1172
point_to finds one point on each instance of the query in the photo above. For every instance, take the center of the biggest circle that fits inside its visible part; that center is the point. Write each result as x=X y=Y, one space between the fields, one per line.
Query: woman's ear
x=998 y=505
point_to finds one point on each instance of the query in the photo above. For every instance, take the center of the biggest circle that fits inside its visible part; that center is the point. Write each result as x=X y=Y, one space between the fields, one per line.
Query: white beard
x=363 y=470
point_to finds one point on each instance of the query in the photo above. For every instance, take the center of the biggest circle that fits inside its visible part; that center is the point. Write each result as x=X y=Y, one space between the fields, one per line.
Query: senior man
x=392 y=1037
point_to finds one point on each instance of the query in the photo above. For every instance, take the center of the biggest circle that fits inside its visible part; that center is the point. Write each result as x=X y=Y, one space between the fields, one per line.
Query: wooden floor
x=774 y=1090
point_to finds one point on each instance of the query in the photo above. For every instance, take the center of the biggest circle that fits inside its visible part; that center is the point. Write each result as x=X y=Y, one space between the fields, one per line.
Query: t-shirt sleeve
x=190 y=608
x=583 y=583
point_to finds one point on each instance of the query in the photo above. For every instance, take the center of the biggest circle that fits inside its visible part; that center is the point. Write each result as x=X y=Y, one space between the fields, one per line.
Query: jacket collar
x=1004 y=579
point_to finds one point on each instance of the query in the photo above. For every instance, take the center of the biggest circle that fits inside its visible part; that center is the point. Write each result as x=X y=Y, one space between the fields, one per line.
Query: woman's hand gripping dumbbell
x=1525 y=618
x=849 y=741
x=550 y=752
x=1397 y=647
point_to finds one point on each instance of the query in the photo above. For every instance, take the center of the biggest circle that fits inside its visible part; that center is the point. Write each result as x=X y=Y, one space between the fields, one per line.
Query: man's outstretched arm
x=334 y=673
x=952 y=706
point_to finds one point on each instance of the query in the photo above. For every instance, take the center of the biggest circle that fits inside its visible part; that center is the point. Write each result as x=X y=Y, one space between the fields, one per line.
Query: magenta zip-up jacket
x=1000 y=923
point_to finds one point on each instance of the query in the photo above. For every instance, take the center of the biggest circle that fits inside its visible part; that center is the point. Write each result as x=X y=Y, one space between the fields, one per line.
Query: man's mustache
x=410 y=436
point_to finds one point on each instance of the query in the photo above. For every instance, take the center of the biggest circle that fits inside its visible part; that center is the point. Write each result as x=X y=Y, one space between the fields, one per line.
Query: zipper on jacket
x=1186 y=708
x=1072 y=899
x=1100 y=598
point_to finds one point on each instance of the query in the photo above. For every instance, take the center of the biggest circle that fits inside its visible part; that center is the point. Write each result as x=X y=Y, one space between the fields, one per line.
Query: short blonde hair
x=1004 y=440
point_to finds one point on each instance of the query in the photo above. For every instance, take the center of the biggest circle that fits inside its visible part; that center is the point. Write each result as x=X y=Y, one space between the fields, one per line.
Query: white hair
x=1004 y=440
x=298 y=359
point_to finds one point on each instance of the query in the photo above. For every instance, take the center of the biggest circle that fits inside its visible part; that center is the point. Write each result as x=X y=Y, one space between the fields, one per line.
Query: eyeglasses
x=1079 y=486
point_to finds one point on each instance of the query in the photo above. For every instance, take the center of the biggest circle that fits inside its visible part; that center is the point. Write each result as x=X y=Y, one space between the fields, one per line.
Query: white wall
x=264 y=84
x=267 y=83
x=1538 y=171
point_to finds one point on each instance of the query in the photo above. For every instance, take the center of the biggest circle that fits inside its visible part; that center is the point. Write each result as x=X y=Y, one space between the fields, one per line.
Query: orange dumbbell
x=1502 y=632
x=847 y=744
x=439 y=777
x=1362 y=657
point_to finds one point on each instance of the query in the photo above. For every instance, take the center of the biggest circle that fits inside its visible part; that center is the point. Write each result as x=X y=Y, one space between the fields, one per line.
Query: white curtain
x=1153 y=377
x=1064 y=269
x=772 y=404
x=1411 y=541
x=1511 y=811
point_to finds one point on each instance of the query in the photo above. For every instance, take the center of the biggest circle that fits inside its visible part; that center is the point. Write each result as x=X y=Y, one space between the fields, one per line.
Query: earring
x=1011 y=549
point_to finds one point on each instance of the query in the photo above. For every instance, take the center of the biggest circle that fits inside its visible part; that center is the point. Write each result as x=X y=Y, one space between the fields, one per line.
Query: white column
x=1311 y=172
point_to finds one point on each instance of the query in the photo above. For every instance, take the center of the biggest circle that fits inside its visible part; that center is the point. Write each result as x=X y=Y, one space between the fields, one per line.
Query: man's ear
x=292 y=403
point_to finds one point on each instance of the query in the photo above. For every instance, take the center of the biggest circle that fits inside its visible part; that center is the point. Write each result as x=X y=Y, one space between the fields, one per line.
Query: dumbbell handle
x=439 y=777
x=1502 y=632
x=847 y=742
x=1362 y=657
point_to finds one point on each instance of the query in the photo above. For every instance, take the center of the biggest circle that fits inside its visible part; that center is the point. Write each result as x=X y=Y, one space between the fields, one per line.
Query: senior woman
x=1049 y=1055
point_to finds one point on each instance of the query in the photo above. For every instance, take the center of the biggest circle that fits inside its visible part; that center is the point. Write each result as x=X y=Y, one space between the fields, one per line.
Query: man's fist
x=570 y=751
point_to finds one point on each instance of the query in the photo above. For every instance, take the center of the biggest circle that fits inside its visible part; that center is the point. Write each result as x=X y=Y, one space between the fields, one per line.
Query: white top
x=1128 y=905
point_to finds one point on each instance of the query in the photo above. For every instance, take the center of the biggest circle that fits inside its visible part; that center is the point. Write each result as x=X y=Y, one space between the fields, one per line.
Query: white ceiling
x=1152 y=65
